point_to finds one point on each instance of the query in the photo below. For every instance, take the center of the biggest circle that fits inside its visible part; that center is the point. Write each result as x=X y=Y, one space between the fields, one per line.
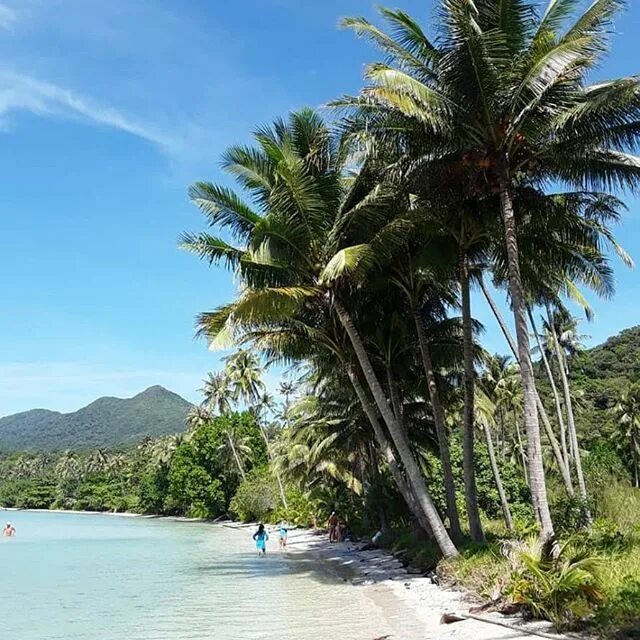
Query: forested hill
x=600 y=374
x=105 y=423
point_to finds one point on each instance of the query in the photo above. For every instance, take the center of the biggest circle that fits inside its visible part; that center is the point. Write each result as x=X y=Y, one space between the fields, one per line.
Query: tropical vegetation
x=479 y=158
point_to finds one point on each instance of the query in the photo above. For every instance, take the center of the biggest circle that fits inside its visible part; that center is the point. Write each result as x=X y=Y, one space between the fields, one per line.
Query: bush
x=554 y=582
x=300 y=510
x=256 y=497
x=569 y=514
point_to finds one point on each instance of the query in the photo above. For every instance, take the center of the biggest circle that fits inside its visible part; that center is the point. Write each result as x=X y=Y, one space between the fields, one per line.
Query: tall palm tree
x=244 y=376
x=317 y=233
x=218 y=393
x=572 y=343
x=627 y=411
x=500 y=101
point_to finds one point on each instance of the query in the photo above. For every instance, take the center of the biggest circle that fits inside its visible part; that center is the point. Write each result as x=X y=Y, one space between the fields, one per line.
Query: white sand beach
x=383 y=575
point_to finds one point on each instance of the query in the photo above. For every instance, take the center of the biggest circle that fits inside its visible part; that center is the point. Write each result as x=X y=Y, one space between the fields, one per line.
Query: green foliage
x=557 y=582
x=300 y=510
x=256 y=497
x=105 y=423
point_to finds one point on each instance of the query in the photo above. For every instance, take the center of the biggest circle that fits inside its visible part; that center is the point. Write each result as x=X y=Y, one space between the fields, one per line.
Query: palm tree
x=486 y=417
x=501 y=101
x=306 y=250
x=571 y=342
x=97 y=461
x=68 y=466
x=243 y=373
x=218 y=393
x=627 y=411
x=237 y=447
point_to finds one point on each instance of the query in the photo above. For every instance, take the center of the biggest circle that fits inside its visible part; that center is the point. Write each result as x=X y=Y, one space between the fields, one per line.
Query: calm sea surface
x=86 y=577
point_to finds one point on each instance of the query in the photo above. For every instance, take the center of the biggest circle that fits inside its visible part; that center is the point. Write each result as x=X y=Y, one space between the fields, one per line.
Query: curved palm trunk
x=441 y=430
x=554 y=390
x=468 y=436
x=263 y=432
x=387 y=452
x=506 y=511
x=582 y=487
x=414 y=474
x=537 y=480
x=562 y=467
x=236 y=456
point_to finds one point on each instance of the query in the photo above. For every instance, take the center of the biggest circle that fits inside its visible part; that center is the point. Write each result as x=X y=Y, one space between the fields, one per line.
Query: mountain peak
x=106 y=422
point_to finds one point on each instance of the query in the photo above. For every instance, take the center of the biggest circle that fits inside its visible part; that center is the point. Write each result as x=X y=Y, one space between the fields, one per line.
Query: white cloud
x=19 y=92
x=8 y=17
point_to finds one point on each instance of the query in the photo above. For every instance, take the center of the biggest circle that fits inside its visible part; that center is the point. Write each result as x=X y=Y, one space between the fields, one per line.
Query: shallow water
x=87 y=577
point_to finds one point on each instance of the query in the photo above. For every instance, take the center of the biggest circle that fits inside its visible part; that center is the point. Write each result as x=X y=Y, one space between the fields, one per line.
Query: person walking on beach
x=283 y=532
x=9 y=531
x=333 y=527
x=261 y=536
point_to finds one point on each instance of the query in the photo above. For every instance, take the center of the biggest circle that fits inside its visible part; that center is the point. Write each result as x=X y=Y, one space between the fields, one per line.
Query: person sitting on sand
x=261 y=536
x=333 y=527
x=283 y=532
x=9 y=531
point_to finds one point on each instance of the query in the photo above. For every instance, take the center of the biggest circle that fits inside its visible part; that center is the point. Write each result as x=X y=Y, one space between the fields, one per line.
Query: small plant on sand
x=553 y=581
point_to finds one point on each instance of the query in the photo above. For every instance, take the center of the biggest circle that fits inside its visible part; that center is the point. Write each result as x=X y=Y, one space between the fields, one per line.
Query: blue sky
x=108 y=111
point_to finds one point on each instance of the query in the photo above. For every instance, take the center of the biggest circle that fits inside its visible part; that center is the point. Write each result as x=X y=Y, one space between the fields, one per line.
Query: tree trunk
x=537 y=480
x=562 y=467
x=236 y=456
x=523 y=457
x=573 y=436
x=414 y=474
x=468 y=434
x=263 y=432
x=377 y=482
x=441 y=429
x=387 y=452
x=554 y=390
x=508 y=520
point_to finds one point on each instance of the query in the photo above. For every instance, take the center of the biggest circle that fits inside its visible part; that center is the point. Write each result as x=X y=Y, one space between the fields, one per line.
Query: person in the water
x=9 y=531
x=283 y=532
x=261 y=536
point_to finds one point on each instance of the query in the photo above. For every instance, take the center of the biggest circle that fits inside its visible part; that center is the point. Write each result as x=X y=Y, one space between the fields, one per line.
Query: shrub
x=256 y=497
x=552 y=581
x=300 y=509
x=569 y=514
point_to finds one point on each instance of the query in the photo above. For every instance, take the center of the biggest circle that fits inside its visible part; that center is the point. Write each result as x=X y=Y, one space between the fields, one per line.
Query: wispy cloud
x=23 y=93
x=8 y=17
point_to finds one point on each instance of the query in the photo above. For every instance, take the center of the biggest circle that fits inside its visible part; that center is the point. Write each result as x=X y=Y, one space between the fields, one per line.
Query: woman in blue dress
x=261 y=536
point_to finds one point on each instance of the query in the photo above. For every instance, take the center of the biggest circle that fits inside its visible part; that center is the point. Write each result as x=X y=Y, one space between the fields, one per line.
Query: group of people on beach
x=262 y=535
x=9 y=531
x=337 y=533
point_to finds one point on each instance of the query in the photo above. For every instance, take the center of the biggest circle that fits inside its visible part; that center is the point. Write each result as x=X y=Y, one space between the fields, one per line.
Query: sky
x=108 y=111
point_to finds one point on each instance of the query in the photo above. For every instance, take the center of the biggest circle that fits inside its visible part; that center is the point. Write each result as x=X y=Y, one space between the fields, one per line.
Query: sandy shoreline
x=428 y=602
x=384 y=576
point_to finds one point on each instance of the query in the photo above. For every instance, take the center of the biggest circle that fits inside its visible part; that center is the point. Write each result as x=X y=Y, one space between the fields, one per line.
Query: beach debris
x=449 y=618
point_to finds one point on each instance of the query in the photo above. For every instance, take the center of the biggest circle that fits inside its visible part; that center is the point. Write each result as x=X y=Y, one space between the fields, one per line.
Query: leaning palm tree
x=312 y=235
x=502 y=100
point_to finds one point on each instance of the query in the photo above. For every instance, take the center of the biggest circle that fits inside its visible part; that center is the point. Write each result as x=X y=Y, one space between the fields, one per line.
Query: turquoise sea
x=91 y=577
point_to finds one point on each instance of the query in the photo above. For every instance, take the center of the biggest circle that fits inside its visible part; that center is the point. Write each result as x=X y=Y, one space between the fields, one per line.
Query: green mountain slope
x=598 y=376
x=105 y=423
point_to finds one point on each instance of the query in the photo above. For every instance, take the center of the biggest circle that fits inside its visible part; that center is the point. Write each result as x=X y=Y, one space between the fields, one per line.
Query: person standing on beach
x=261 y=536
x=9 y=531
x=333 y=527
x=283 y=532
